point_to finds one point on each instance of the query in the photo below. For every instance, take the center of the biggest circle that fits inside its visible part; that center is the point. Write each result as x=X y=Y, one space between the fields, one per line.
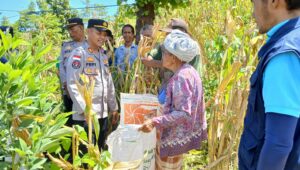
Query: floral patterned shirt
x=183 y=122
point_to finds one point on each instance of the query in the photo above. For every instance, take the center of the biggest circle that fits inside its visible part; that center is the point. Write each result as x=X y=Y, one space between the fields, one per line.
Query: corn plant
x=28 y=90
x=229 y=42
x=32 y=126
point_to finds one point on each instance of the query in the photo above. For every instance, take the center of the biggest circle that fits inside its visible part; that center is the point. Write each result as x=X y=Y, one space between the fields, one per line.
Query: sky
x=10 y=8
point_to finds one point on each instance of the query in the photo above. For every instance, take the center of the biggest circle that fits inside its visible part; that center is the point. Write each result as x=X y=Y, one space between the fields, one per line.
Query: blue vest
x=286 y=39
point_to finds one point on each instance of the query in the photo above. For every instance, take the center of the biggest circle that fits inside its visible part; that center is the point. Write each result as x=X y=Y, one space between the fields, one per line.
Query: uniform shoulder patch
x=66 y=43
x=76 y=64
x=76 y=57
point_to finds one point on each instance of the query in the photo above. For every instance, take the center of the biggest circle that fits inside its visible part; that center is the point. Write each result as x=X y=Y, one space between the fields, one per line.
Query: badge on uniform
x=105 y=61
x=91 y=71
x=76 y=57
x=90 y=66
x=76 y=64
x=68 y=51
x=90 y=59
x=68 y=47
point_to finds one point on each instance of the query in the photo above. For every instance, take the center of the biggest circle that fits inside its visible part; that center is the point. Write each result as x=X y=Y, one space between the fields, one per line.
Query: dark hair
x=128 y=25
x=292 y=4
x=109 y=33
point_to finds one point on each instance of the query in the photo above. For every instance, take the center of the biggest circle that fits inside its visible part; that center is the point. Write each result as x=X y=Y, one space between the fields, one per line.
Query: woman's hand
x=115 y=117
x=147 y=126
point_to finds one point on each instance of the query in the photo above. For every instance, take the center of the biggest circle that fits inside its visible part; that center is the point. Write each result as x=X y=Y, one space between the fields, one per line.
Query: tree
x=46 y=18
x=61 y=8
x=24 y=23
x=40 y=21
x=5 y=21
x=146 y=10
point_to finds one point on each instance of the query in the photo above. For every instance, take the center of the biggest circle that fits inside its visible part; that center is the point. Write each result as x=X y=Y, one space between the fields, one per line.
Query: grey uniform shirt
x=66 y=49
x=82 y=61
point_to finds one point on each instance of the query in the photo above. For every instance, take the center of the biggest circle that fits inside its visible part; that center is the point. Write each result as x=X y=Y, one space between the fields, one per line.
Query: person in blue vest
x=271 y=135
x=6 y=30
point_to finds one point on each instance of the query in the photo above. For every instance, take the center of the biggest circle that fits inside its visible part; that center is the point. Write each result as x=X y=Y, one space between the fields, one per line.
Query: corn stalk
x=229 y=41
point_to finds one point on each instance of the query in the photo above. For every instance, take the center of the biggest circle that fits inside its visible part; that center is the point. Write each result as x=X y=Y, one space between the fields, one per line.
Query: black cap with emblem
x=74 y=21
x=99 y=24
x=7 y=29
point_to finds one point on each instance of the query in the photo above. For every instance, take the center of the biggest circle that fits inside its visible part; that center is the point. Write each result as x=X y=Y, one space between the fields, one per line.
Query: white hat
x=181 y=45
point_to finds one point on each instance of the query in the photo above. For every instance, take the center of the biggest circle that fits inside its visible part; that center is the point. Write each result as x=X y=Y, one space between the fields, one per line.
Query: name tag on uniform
x=91 y=64
x=105 y=61
x=91 y=67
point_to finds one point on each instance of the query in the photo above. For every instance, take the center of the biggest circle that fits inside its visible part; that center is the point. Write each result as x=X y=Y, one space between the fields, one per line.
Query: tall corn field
x=230 y=42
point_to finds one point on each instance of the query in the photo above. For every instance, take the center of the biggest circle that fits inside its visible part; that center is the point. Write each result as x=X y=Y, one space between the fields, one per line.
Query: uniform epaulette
x=66 y=42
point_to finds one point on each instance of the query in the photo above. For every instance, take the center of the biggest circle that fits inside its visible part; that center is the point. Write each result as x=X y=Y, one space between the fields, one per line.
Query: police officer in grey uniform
x=75 y=28
x=92 y=62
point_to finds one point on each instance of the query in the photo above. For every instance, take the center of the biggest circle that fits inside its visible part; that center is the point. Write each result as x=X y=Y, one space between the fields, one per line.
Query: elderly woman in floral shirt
x=182 y=125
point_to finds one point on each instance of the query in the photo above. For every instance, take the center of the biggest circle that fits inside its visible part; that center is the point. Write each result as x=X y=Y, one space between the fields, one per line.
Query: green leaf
x=62 y=115
x=66 y=131
x=19 y=42
x=53 y=166
x=20 y=152
x=5 y=165
x=38 y=164
x=106 y=157
x=66 y=143
x=81 y=131
x=4 y=40
x=47 y=144
x=30 y=108
x=23 y=144
x=96 y=127
x=88 y=160
x=36 y=136
x=2 y=114
x=55 y=149
x=77 y=161
x=43 y=51
x=66 y=157
x=14 y=74
x=25 y=101
x=46 y=66
x=26 y=123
